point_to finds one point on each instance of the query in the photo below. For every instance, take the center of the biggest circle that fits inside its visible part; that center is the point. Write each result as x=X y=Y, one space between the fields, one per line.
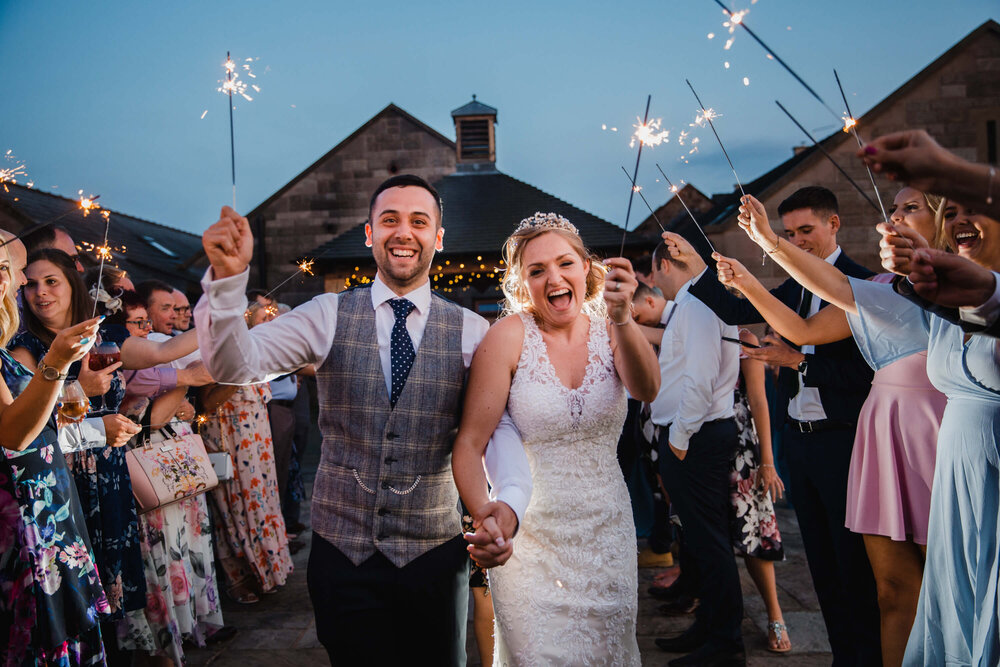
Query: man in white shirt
x=383 y=557
x=698 y=438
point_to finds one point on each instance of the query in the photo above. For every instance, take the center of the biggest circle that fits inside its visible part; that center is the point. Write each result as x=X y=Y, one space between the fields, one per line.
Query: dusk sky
x=108 y=96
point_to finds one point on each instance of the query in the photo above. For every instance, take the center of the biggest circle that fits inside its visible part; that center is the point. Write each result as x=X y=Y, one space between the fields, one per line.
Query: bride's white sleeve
x=93 y=436
x=507 y=467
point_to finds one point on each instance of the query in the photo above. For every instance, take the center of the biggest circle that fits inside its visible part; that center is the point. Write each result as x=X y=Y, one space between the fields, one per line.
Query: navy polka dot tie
x=400 y=347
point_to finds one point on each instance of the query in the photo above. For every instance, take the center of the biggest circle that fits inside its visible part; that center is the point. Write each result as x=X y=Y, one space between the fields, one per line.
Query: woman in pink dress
x=892 y=464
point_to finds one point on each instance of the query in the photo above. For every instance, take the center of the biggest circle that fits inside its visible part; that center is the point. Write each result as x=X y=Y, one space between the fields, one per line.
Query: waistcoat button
x=391 y=459
x=385 y=485
x=382 y=511
x=391 y=436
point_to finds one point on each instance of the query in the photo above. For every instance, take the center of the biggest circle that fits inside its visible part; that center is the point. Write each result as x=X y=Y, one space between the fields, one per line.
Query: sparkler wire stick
x=232 y=144
x=635 y=175
x=677 y=193
x=828 y=156
x=708 y=116
x=639 y=190
x=103 y=251
x=305 y=266
x=41 y=225
x=854 y=128
x=774 y=55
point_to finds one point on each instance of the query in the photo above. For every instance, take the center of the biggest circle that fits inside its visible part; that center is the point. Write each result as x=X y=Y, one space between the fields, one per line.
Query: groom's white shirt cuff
x=233 y=354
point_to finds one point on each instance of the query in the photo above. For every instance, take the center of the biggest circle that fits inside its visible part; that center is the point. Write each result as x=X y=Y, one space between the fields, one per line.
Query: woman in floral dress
x=50 y=590
x=752 y=481
x=250 y=536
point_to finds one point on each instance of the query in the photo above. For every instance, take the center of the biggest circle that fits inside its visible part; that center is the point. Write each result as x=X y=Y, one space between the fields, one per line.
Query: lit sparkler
x=638 y=190
x=86 y=204
x=649 y=133
x=11 y=174
x=104 y=252
x=677 y=193
x=851 y=125
x=635 y=174
x=707 y=115
x=736 y=19
x=828 y=156
x=305 y=266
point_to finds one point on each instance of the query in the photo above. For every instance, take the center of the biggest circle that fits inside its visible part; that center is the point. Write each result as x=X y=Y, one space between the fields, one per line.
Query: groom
x=388 y=572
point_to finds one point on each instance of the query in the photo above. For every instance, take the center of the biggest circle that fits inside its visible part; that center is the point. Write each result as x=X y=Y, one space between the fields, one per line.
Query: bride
x=558 y=363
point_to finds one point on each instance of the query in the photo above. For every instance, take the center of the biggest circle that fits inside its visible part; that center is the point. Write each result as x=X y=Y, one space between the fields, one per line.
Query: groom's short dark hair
x=402 y=181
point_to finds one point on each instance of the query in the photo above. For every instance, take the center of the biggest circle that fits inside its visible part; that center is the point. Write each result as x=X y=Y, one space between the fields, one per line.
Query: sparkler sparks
x=649 y=134
x=305 y=266
x=88 y=203
x=708 y=114
x=229 y=86
x=635 y=174
x=849 y=123
x=11 y=174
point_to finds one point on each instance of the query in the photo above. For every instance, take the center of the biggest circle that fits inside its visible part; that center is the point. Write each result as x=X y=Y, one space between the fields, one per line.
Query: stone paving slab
x=279 y=630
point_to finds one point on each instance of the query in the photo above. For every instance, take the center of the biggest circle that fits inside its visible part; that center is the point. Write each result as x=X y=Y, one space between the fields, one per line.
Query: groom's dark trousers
x=379 y=614
x=699 y=491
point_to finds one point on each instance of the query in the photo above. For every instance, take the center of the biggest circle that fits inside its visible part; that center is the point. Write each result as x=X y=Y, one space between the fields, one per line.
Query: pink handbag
x=168 y=466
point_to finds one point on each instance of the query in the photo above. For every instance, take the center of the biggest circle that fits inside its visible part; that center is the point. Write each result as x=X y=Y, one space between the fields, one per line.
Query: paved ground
x=279 y=630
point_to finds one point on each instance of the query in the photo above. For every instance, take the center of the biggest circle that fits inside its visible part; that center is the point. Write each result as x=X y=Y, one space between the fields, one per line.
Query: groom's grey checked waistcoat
x=384 y=481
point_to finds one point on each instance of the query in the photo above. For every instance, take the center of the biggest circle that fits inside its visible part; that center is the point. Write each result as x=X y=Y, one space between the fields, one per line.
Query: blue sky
x=108 y=96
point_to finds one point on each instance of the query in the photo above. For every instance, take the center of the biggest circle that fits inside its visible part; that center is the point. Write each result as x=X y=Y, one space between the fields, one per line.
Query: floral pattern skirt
x=182 y=598
x=752 y=524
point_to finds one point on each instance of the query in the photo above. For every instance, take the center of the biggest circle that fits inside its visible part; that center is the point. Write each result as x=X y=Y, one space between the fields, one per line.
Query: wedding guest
x=827 y=385
x=698 y=439
x=55 y=298
x=51 y=595
x=159 y=298
x=892 y=464
x=182 y=312
x=250 y=537
x=56 y=237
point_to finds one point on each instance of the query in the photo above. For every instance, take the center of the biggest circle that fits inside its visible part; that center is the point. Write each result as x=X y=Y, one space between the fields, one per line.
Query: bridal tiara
x=546 y=221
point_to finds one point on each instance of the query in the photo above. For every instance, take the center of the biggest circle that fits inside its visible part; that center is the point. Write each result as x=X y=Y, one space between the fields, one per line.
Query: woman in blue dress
x=957 y=613
x=50 y=590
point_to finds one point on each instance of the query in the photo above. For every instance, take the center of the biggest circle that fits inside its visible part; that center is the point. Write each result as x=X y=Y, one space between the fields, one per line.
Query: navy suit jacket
x=836 y=369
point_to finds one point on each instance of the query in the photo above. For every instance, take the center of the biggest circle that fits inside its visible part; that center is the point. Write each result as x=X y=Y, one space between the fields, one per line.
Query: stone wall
x=333 y=196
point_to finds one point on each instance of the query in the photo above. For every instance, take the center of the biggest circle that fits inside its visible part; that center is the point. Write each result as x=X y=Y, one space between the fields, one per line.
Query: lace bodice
x=568 y=594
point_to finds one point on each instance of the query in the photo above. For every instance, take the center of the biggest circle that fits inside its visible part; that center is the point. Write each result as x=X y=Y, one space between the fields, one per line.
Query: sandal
x=241 y=594
x=780 y=631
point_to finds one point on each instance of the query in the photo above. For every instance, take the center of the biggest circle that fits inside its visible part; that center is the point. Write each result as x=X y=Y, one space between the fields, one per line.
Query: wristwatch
x=50 y=373
x=802 y=367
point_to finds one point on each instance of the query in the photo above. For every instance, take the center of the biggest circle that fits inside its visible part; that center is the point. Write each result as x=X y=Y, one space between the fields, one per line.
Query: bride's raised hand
x=619 y=288
x=753 y=220
x=731 y=272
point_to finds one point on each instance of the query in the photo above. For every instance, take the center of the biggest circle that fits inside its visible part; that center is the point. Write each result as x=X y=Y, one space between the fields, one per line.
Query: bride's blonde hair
x=516 y=297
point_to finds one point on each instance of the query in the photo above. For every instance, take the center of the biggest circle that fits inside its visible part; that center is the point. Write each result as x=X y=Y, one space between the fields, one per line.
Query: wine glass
x=103 y=354
x=72 y=405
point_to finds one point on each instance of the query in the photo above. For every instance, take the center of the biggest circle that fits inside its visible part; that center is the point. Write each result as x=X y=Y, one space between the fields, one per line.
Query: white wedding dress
x=568 y=595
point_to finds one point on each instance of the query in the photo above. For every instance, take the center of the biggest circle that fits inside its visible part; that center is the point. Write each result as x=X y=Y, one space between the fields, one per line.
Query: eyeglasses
x=141 y=324
x=182 y=309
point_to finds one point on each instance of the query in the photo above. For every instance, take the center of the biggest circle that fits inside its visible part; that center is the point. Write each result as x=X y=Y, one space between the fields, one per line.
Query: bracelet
x=989 y=187
x=621 y=324
x=777 y=242
x=766 y=465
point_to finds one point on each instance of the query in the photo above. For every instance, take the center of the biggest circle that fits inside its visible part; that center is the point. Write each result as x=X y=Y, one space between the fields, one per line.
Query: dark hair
x=643 y=264
x=643 y=290
x=661 y=254
x=109 y=278
x=814 y=197
x=146 y=288
x=130 y=300
x=402 y=181
x=44 y=237
x=252 y=294
x=81 y=305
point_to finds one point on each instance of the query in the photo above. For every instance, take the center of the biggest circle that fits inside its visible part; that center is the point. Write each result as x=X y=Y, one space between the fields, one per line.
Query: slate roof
x=141 y=258
x=480 y=212
x=474 y=108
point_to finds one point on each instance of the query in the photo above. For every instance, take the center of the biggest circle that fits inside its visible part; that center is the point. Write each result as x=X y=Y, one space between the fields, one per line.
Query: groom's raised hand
x=492 y=543
x=228 y=244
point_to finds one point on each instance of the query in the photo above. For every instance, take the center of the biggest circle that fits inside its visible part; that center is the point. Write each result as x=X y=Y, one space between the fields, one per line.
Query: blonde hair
x=937 y=204
x=516 y=297
x=10 y=317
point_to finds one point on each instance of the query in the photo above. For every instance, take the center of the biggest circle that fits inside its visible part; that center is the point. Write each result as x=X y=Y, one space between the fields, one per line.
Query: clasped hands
x=492 y=543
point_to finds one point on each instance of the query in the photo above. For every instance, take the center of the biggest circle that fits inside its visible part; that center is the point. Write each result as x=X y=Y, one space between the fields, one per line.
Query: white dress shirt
x=235 y=355
x=698 y=370
x=807 y=406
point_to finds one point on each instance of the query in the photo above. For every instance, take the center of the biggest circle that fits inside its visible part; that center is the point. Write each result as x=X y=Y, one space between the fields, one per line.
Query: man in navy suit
x=825 y=386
